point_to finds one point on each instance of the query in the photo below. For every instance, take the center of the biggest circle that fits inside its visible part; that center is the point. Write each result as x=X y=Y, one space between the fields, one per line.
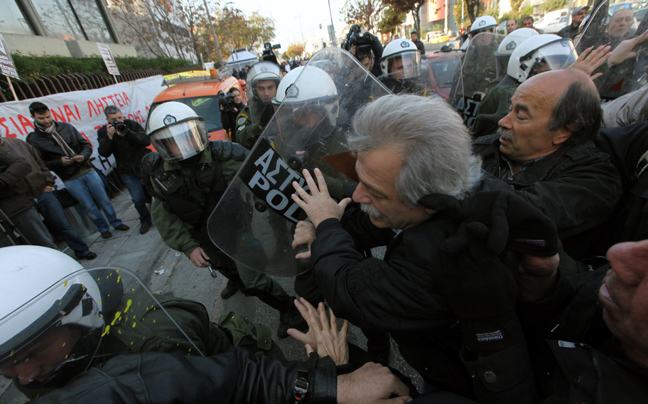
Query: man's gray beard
x=370 y=211
x=505 y=134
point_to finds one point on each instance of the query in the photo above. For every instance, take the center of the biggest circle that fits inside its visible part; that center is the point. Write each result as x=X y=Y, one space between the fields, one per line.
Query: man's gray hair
x=432 y=139
x=111 y=109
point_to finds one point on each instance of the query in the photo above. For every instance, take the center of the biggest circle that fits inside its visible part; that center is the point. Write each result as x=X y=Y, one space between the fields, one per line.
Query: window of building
x=73 y=20
x=12 y=20
x=92 y=20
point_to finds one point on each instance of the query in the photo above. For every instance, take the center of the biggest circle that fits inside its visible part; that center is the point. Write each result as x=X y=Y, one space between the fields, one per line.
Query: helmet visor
x=181 y=140
x=406 y=65
x=554 y=56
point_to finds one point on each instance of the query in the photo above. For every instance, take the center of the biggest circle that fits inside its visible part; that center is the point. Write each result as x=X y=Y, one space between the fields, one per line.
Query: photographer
x=361 y=45
x=230 y=106
x=128 y=142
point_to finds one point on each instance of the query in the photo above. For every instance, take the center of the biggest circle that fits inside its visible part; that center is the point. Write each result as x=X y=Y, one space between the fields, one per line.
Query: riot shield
x=617 y=27
x=255 y=219
x=478 y=75
x=62 y=329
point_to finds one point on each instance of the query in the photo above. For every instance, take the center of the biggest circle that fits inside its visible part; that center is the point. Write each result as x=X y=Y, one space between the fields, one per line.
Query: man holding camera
x=127 y=141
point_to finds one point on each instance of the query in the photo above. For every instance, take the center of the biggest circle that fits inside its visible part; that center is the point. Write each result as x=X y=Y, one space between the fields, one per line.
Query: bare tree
x=408 y=6
x=365 y=13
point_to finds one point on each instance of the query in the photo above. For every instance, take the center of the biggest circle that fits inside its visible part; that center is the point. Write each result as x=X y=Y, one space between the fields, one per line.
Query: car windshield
x=207 y=107
x=444 y=72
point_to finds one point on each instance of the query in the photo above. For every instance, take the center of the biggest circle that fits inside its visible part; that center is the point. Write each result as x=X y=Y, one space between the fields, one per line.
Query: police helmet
x=43 y=291
x=547 y=51
x=176 y=131
x=405 y=50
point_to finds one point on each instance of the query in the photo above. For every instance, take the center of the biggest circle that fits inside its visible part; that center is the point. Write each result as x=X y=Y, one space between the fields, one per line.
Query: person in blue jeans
x=66 y=152
x=38 y=185
x=127 y=141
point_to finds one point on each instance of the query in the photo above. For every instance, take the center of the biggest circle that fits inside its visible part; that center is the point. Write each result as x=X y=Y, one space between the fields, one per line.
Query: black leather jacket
x=51 y=153
x=576 y=186
x=232 y=377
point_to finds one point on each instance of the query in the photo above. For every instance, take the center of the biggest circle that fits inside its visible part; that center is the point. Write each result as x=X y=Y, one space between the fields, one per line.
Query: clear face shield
x=86 y=316
x=53 y=336
x=180 y=140
x=554 y=56
x=403 y=66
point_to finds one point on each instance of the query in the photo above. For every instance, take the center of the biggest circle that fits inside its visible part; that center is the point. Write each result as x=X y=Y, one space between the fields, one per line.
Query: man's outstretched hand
x=318 y=205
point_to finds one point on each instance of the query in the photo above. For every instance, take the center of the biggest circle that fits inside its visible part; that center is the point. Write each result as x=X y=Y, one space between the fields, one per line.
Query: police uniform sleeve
x=172 y=229
x=247 y=132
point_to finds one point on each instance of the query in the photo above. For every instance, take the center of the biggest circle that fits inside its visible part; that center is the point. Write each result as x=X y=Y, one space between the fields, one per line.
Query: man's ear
x=562 y=135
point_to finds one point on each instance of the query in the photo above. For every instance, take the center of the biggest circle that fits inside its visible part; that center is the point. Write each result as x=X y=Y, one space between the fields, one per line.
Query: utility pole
x=334 y=39
x=213 y=31
x=445 y=31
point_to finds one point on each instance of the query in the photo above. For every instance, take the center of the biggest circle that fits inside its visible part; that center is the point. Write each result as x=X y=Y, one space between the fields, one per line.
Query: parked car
x=200 y=93
x=556 y=25
x=437 y=37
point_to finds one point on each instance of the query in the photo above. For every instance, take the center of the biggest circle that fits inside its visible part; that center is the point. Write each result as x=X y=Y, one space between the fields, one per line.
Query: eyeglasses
x=581 y=13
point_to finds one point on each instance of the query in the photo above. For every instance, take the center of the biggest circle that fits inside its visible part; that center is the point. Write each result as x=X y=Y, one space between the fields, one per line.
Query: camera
x=268 y=52
x=120 y=126
x=226 y=101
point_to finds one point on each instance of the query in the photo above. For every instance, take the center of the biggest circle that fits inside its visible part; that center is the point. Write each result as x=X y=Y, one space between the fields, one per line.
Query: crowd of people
x=515 y=233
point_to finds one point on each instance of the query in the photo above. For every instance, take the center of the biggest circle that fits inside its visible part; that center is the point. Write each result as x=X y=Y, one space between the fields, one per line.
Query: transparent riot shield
x=54 y=331
x=617 y=27
x=478 y=75
x=255 y=219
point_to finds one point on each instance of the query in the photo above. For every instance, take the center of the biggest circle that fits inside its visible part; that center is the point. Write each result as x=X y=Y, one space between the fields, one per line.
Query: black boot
x=230 y=290
x=290 y=318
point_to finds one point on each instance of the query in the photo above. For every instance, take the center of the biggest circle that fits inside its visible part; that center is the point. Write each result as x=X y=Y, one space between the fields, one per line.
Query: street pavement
x=164 y=270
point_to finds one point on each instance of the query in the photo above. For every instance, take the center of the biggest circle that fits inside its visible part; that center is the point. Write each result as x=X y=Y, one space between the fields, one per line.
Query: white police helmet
x=262 y=71
x=42 y=289
x=549 y=49
x=483 y=23
x=405 y=50
x=176 y=131
x=306 y=88
x=508 y=45
x=514 y=39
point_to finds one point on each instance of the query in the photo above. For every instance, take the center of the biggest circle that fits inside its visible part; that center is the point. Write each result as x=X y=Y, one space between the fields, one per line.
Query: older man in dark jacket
x=67 y=153
x=544 y=151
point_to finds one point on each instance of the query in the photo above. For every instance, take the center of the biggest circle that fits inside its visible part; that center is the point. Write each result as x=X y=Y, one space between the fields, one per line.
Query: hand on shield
x=319 y=205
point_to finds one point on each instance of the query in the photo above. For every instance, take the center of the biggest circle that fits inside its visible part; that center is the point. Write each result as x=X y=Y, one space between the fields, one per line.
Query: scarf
x=59 y=140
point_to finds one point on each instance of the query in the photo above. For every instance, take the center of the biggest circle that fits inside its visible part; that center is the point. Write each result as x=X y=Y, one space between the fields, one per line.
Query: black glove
x=266 y=115
x=514 y=223
x=480 y=290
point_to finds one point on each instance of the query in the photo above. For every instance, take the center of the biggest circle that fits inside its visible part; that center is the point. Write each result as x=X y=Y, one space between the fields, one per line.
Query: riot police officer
x=187 y=176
